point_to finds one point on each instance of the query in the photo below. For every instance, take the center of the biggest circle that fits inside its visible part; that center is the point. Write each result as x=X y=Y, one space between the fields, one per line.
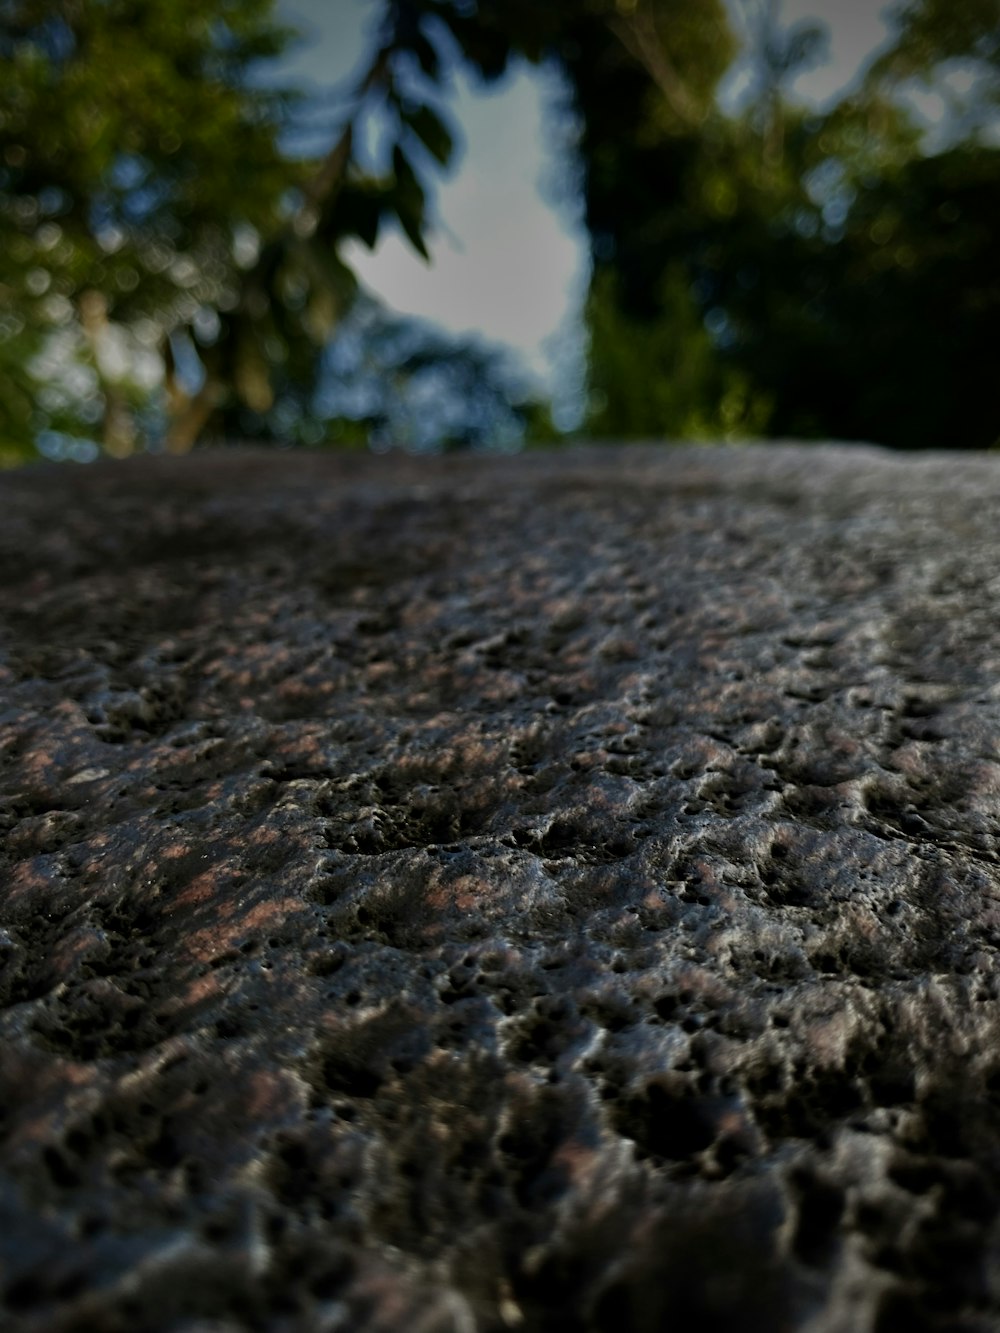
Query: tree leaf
x=357 y=212
x=413 y=227
x=407 y=180
x=432 y=132
x=426 y=54
x=407 y=201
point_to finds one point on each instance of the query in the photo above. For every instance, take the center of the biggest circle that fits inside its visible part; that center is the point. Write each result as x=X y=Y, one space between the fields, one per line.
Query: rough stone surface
x=553 y=893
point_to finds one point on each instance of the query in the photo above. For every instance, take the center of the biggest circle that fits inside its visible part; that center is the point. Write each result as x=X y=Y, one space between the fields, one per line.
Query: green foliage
x=811 y=275
x=159 y=251
x=661 y=378
x=166 y=263
x=131 y=149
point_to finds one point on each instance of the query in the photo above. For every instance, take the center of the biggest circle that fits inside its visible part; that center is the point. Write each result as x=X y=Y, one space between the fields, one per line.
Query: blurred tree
x=775 y=269
x=664 y=172
x=131 y=153
x=163 y=253
x=863 y=305
x=152 y=230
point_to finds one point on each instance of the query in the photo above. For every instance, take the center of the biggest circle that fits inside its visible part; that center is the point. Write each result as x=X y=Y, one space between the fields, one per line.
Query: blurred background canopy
x=181 y=220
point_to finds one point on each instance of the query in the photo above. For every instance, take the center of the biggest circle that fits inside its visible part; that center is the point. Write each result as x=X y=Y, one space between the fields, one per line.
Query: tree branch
x=637 y=33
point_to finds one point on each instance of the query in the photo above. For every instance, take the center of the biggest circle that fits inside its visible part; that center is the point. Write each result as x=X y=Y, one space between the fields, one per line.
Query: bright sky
x=507 y=262
x=856 y=28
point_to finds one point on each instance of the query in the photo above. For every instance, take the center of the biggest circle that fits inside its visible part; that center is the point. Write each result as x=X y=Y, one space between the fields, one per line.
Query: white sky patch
x=929 y=104
x=961 y=79
x=502 y=261
x=856 y=28
x=336 y=36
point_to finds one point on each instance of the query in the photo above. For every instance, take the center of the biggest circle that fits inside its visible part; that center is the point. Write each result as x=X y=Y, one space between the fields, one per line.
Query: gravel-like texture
x=554 y=893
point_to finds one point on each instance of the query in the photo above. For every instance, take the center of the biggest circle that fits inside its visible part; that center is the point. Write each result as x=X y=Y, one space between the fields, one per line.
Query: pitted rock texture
x=548 y=893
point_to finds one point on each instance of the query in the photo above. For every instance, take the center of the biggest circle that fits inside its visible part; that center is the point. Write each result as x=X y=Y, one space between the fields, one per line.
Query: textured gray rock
x=552 y=893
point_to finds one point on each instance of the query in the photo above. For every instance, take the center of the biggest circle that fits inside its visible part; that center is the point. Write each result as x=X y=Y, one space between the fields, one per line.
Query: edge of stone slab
x=785 y=453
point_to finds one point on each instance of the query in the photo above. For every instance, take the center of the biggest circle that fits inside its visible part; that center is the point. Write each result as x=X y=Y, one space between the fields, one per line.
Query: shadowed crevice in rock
x=552 y=893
